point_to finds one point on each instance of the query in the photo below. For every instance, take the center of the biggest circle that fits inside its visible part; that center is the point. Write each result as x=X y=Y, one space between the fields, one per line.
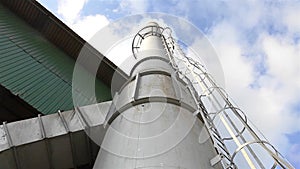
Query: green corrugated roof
x=36 y=70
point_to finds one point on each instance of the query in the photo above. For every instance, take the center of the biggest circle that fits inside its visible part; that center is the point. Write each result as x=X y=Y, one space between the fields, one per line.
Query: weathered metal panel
x=53 y=141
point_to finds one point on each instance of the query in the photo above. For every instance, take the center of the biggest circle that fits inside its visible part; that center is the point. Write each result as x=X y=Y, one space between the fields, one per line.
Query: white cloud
x=225 y=38
x=294 y=154
x=84 y=26
x=282 y=58
x=133 y=6
x=269 y=104
x=290 y=17
x=70 y=9
x=87 y=26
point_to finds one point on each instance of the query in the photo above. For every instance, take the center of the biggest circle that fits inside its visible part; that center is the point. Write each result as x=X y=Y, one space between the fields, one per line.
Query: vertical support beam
x=136 y=87
x=175 y=86
x=77 y=109
x=44 y=137
x=89 y=149
x=73 y=148
x=11 y=145
x=87 y=126
x=112 y=109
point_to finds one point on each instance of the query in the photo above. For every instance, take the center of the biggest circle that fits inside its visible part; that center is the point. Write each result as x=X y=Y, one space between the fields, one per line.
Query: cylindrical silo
x=153 y=124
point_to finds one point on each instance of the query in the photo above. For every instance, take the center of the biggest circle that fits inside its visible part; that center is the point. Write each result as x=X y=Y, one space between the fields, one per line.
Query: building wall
x=36 y=71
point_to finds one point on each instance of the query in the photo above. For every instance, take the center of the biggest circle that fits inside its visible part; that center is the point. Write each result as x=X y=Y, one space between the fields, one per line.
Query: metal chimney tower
x=158 y=118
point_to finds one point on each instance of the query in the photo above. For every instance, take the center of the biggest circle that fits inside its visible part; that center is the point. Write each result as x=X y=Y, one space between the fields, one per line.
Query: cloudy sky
x=257 y=42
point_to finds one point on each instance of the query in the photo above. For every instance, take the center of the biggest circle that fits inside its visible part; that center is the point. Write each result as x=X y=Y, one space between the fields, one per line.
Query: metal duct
x=53 y=141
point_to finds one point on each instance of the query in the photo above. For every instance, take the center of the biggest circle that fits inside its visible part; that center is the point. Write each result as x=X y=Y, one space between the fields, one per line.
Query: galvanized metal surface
x=150 y=127
x=37 y=71
x=53 y=141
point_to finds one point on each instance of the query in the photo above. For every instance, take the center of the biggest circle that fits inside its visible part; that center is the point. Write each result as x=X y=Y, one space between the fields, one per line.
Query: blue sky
x=257 y=42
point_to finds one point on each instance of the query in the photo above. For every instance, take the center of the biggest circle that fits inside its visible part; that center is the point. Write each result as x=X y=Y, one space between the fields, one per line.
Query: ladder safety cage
x=227 y=124
x=150 y=30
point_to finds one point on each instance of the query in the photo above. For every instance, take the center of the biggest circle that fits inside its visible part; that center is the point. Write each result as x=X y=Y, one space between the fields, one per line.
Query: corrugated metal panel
x=62 y=36
x=36 y=70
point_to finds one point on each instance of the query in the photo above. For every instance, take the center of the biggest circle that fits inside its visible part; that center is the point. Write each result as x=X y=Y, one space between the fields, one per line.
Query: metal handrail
x=150 y=30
